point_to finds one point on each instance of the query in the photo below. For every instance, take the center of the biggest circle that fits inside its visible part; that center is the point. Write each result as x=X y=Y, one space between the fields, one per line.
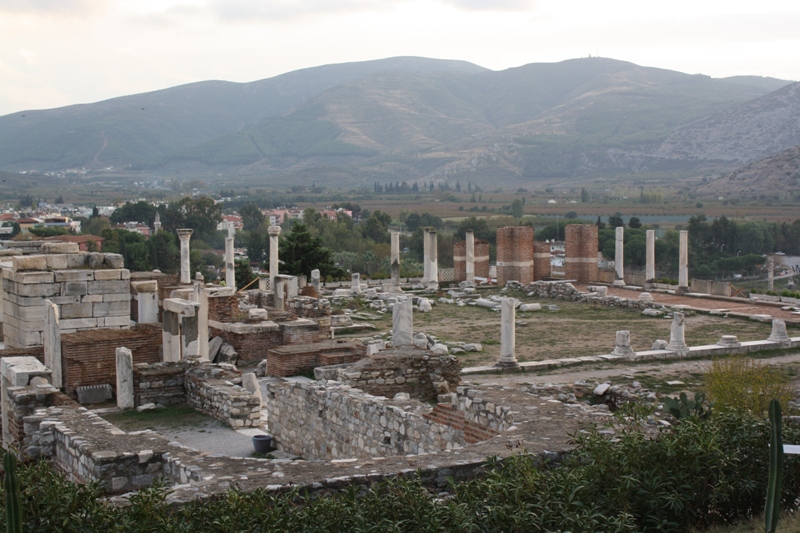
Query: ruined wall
x=515 y=254
x=24 y=401
x=92 y=290
x=209 y=390
x=315 y=309
x=295 y=359
x=161 y=383
x=223 y=308
x=481 y=260
x=320 y=422
x=408 y=370
x=89 y=357
x=580 y=255
x=541 y=260
x=251 y=341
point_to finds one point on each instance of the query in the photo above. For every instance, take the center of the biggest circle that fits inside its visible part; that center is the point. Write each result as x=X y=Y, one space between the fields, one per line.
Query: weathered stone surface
x=226 y=354
x=402 y=324
x=440 y=349
x=125 y=388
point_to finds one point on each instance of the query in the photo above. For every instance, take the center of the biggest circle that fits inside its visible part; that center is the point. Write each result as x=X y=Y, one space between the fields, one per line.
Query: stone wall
x=315 y=309
x=317 y=421
x=89 y=357
x=161 y=383
x=210 y=390
x=580 y=255
x=24 y=401
x=92 y=290
x=515 y=254
x=405 y=369
x=299 y=358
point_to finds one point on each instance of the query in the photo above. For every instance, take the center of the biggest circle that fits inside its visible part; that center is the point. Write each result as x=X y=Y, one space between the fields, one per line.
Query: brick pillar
x=481 y=258
x=460 y=261
x=580 y=256
x=515 y=254
x=541 y=260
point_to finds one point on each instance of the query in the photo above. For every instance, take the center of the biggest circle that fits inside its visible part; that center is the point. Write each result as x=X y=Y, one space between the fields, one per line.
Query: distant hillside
x=398 y=119
x=773 y=176
x=144 y=128
x=742 y=133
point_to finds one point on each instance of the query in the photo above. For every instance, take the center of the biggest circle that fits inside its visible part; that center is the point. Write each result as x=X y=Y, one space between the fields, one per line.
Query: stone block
x=114 y=321
x=74 y=275
x=60 y=248
x=125 y=273
x=79 y=323
x=181 y=306
x=106 y=309
x=92 y=298
x=29 y=278
x=73 y=288
x=117 y=297
x=77 y=260
x=106 y=275
x=28 y=262
x=109 y=287
x=82 y=310
x=144 y=286
x=93 y=393
x=94 y=260
x=113 y=261
x=27 y=314
x=56 y=262
x=37 y=290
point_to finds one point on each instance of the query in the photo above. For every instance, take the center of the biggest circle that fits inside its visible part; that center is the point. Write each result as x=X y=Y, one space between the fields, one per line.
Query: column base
x=681 y=290
x=507 y=365
x=618 y=283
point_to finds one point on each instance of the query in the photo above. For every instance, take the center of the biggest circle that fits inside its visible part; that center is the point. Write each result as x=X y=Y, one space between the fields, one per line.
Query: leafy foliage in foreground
x=694 y=474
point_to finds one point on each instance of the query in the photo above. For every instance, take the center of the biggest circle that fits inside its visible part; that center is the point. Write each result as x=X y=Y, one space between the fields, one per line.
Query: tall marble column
x=650 y=260
x=395 y=265
x=426 y=254
x=434 y=258
x=683 y=266
x=508 y=334
x=230 y=266
x=200 y=296
x=274 y=232
x=470 y=256
x=619 y=256
x=186 y=272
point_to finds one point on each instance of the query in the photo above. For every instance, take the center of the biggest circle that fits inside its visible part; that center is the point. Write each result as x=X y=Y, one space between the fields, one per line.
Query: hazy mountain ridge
x=771 y=177
x=401 y=118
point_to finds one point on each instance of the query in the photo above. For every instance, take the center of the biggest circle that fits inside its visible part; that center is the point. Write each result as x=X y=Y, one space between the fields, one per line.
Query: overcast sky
x=60 y=52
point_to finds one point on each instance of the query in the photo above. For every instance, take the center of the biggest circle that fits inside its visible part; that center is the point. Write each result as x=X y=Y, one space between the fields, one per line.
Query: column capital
x=185 y=234
x=274 y=231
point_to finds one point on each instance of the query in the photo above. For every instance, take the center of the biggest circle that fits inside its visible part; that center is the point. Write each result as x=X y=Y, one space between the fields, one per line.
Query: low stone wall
x=406 y=369
x=89 y=357
x=24 y=401
x=563 y=290
x=317 y=421
x=161 y=383
x=210 y=390
x=316 y=309
x=498 y=418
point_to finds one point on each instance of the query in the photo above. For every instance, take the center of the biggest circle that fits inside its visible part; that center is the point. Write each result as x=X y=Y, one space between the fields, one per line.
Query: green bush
x=745 y=385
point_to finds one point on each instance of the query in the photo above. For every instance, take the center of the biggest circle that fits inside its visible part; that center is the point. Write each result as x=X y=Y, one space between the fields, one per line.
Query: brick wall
x=541 y=260
x=251 y=341
x=515 y=254
x=580 y=258
x=291 y=360
x=223 y=308
x=36 y=351
x=446 y=415
x=89 y=357
x=481 y=259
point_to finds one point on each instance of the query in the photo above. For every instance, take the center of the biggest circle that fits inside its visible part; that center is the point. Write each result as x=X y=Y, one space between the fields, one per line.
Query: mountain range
x=412 y=119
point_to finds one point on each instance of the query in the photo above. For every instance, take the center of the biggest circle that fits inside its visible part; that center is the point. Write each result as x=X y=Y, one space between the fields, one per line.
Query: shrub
x=744 y=385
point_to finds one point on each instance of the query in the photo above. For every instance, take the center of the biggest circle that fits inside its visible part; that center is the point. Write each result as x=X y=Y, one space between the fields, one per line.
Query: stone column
x=124 y=378
x=508 y=334
x=355 y=283
x=434 y=259
x=184 y=235
x=147 y=301
x=170 y=337
x=683 y=266
x=779 y=332
x=622 y=345
x=230 y=265
x=402 y=324
x=677 y=338
x=51 y=337
x=277 y=293
x=650 y=261
x=619 y=256
x=470 y=256
x=770 y=273
x=426 y=254
x=395 y=265
x=274 y=232
x=315 y=280
x=200 y=296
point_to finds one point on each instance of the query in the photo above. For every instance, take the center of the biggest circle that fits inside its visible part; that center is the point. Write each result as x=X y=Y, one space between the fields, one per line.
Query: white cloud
x=55 y=7
x=277 y=10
